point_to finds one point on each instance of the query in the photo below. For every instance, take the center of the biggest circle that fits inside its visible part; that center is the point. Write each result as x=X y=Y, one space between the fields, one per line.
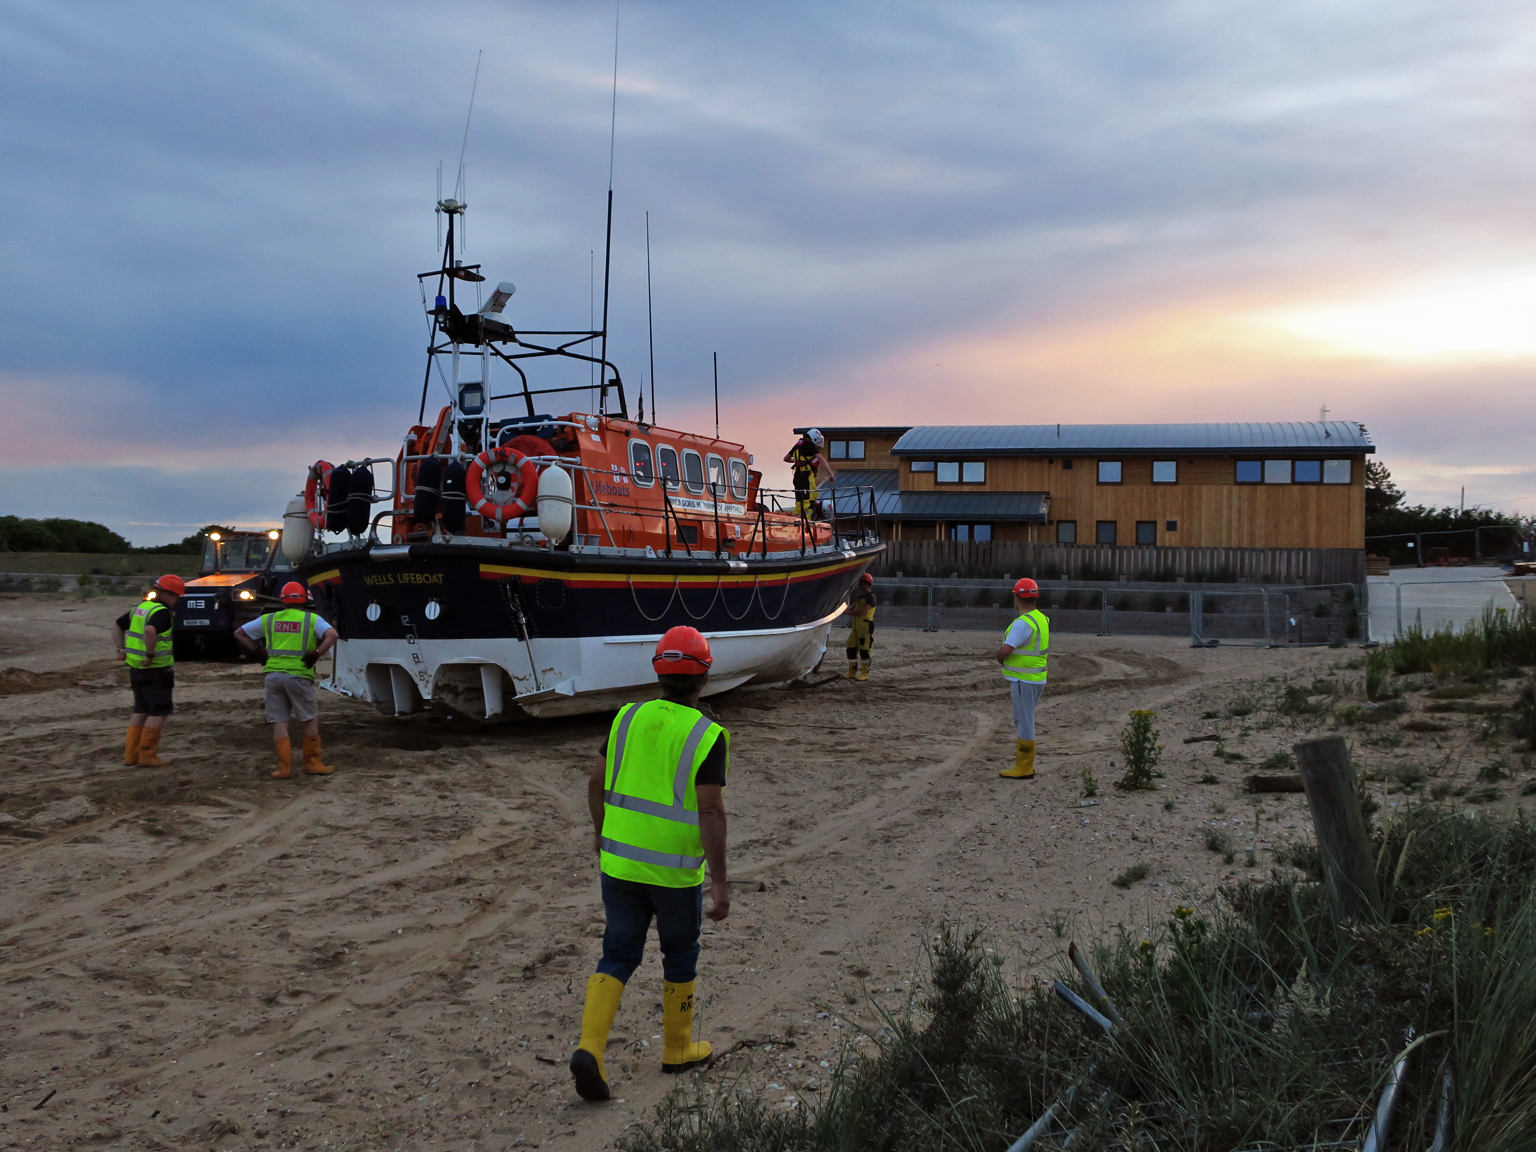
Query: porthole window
x=666 y=464
x=738 y=480
x=433 y=610
x=693 y=471
x=374 y=611
x=642 y=467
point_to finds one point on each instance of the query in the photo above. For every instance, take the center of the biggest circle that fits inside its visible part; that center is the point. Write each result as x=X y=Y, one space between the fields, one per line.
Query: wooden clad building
x=1258 y=485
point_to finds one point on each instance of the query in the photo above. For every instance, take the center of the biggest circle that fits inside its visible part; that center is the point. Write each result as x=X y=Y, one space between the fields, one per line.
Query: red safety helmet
x=866 y=579
x=171 y=582
x=1026 y=588
x=683 y=651
x=293 y=593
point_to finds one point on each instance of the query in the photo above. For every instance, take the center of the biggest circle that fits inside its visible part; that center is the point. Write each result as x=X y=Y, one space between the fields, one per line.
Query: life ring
x=522 y=478
x=316 y=489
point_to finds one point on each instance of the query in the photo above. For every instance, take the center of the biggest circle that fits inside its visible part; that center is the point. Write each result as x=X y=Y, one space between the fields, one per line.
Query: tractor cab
x=237 y=581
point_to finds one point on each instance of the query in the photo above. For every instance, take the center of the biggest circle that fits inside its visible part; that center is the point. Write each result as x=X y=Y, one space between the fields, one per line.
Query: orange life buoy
x=522 y=479
x=319 y=476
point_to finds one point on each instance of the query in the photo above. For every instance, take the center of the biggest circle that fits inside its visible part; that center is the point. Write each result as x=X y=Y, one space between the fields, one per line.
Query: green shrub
x=1138 y=743
x=1131 y=875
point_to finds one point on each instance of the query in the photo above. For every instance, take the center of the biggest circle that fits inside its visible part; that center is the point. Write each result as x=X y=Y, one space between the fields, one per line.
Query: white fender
x=298 y=533
x=557 y=504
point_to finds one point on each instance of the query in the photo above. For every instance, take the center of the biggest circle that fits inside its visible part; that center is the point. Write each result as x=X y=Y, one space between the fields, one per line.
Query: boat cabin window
x=641 y=467
x=714 y=471
x=693 y=471
x=666 y=464
x=738 y=480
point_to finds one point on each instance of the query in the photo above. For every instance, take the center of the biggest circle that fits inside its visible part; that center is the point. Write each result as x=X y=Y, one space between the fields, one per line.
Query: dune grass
x=1257 y=1023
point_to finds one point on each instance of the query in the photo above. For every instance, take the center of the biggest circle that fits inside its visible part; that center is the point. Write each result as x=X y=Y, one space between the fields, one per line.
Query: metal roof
x=1185 y=439
x=893 y=504
x=849 y=429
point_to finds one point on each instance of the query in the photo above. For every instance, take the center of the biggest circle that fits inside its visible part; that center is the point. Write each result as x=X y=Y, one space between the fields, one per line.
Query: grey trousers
x=1026 y=694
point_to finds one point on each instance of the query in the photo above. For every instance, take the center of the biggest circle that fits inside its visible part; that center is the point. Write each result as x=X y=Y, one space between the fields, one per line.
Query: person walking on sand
x=295 y=638
x=658 y=815
x=1022 y=654
x=861 y=632
x=143 y=640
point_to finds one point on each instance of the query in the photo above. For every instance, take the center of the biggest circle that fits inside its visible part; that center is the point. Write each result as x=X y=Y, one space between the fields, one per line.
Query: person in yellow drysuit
x=861 y=635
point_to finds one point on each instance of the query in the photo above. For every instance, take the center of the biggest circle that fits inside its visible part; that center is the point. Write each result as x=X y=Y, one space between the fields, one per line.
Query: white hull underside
x=506 y=678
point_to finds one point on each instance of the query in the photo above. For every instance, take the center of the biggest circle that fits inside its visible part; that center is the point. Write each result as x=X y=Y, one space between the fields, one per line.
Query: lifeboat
x=505 y=563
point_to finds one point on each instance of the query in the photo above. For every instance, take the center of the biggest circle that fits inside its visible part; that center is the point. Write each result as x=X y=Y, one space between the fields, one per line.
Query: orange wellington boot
x=131 y=743
x=149 y=744
x=312 y=764
x=284 y=748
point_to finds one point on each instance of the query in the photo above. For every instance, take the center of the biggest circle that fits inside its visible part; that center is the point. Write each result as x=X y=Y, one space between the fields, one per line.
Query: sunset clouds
x=1021 y=212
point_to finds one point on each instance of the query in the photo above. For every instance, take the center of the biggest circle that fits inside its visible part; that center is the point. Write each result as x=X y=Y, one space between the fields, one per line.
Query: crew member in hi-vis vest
x=1022 y=655
x=294 y=639
x=658 y=815
x=143 y=639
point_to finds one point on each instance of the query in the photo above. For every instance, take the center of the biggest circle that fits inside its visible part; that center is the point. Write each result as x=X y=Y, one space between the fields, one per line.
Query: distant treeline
x=55 y=534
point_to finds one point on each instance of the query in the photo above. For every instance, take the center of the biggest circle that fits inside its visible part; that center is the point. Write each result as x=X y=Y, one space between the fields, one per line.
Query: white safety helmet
x=817 y=438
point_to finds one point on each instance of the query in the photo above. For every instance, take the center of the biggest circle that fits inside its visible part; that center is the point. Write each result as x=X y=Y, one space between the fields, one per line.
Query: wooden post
x=1348 y=867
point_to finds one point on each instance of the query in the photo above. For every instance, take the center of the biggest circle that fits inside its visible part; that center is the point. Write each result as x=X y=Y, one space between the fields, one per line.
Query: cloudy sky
x=1022 y=212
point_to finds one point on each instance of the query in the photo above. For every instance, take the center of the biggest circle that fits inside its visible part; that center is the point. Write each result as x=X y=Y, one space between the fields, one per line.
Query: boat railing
x=769 y=502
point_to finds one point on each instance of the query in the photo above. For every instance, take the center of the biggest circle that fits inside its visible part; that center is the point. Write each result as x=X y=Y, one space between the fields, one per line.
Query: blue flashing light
x=442 y=303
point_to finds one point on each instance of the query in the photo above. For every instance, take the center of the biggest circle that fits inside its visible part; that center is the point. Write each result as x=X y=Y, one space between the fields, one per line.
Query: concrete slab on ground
x=1438 y=599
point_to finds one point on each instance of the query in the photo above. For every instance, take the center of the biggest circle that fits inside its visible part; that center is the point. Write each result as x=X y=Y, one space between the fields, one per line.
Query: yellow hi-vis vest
x=650 y=807
x=289 y=634
x=138 y=644
x=1028 y=662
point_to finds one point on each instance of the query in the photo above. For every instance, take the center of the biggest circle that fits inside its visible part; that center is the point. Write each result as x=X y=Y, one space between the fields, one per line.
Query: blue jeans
x=629 y=906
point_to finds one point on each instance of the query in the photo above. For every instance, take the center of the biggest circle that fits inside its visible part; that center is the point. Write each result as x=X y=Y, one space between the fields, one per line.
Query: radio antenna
x=613 y=123
x=461 y=190
x=716 y=355
x=650 y=326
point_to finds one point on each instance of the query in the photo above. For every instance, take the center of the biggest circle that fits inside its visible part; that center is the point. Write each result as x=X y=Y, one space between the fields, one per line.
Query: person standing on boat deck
x=295 y=639
x=809 y=468
x=1023 y=654
x=143 y=640
x=658 y=814
x=861 y=635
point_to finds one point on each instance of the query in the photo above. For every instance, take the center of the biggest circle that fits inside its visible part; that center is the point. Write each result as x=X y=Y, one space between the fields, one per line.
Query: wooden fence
x=970 y=559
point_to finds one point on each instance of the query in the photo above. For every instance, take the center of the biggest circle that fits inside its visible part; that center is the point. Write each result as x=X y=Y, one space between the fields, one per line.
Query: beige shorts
x=290 y=698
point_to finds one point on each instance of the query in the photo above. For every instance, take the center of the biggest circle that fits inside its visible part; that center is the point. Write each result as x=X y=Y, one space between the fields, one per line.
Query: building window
x=1308 y=472
x=1336 y=472
x=1146 y=532
x=1066 y=531
x=641 y=469
x=1165 y=471
x=1250 y=471
x=1105 y=533
x=1109 y=471
x=947 y=472
x=693 y=471
x=1277 y=471
x=973 y=472
x=921 y=466
x=1066 y=465
x=981 y=532
x=846 y=449
x=738 y=479
x=666 y=463
x=1171 y=526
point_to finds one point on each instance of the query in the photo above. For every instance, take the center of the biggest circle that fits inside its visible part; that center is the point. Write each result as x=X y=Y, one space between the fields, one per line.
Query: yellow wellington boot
x=1023 y=761
x=312 y=764
x=149 y=745
x=680 y=1051
x=131 y=743
x=864 y=670
x=284 y=748
x=853 y=671
x=603 y=993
